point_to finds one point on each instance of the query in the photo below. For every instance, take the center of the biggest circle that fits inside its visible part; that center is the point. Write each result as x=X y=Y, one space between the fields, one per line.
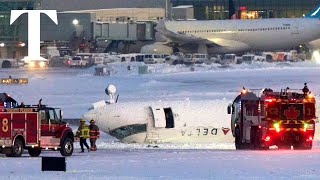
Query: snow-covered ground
x=75 y=89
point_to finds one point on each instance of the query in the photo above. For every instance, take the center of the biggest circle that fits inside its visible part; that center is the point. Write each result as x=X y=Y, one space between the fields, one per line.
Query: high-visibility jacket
x=83 y=131
x=94 y=131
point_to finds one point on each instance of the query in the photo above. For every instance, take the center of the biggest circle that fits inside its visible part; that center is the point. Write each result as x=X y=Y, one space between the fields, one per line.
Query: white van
x=200 y=58
x=195 y=58
x=134 y=57
x=155 y=58
x=77 y=61
x=248 y=58
x=229 y=59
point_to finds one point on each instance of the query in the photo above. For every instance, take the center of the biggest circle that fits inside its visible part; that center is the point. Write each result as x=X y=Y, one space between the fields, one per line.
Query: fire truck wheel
x=67 y=147
x=34 y=152
x=17 y=148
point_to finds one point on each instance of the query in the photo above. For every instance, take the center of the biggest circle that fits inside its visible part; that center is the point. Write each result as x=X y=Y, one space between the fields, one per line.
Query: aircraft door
x=163 y=117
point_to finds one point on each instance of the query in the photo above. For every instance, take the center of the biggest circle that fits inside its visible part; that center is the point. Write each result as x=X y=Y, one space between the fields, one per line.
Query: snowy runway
x=172 y=164
x=75 y=89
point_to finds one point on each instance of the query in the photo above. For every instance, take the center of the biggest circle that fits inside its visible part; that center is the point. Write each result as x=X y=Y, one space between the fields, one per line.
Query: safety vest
x=84 y=131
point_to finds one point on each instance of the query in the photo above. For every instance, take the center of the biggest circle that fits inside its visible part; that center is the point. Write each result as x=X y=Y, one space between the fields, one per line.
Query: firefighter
x=305 y=89
x=94 y=134
x=83 y=134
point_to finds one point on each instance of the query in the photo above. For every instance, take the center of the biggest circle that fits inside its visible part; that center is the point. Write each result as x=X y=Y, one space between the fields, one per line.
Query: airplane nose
x=89 y=115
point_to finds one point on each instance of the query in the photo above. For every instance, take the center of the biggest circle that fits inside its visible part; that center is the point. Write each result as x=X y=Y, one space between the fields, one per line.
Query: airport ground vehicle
x=175 y=58
x=133 y=57
x=32 y=127
x=42 y=62
x=8 y=63
x=195 y=58
x=77 y=61
x=155 y=58
x=285 y=119
x=215 y=59
x=229 y=59
x=248 y=58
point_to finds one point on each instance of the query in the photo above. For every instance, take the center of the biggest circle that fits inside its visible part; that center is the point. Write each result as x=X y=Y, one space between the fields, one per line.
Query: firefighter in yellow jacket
x=94 y=134
x=83 y=133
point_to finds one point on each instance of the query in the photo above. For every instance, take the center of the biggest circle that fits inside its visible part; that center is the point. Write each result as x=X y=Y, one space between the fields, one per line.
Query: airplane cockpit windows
x=137 y=128
x=129 y=130
x=120 y=133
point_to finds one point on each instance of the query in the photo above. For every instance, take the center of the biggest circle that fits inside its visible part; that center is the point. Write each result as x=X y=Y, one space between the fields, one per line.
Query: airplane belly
x=163 y=122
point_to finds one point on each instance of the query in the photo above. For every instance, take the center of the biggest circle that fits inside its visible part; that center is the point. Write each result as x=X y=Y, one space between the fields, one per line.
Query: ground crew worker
x=83 y=134
x=94 y=134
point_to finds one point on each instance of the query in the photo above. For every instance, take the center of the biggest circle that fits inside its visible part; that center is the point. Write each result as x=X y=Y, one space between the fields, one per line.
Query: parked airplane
x=160 y=122
x=315 y=44
x=232 y=36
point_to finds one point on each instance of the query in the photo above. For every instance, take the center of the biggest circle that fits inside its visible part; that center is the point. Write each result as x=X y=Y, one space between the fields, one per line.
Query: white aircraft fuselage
x=161 y=122
x=230 y=36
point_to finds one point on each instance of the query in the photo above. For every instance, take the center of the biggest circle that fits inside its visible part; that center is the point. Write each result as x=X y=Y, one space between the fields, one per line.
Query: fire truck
x=284 y=119
x=32 y=127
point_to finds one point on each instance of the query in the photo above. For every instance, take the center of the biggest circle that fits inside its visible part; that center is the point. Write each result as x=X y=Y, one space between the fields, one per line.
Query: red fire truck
x=285 y=119
x=32 y=127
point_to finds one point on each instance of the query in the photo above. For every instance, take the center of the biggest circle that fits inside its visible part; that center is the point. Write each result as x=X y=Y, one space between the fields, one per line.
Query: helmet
x=92 y=121
x=82 y=120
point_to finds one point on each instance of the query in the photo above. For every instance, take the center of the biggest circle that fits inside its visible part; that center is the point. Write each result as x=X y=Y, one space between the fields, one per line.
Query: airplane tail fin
x=160 y=31
x=314 y=13
x=161 y=25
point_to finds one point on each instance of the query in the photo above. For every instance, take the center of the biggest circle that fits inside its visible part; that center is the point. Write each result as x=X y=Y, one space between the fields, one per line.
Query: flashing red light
x=242 y=8
x=269 y=100
x=268 y=138
x=259 y=126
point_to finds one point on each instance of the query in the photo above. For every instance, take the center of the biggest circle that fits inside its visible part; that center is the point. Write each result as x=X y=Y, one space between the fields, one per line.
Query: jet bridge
x=124 y=31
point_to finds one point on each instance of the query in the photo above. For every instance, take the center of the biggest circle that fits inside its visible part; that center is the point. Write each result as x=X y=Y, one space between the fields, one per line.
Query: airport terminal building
x=248 y=9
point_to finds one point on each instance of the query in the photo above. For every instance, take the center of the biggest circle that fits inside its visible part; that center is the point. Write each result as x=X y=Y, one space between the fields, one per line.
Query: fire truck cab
x=32 y=127
x=285 y=119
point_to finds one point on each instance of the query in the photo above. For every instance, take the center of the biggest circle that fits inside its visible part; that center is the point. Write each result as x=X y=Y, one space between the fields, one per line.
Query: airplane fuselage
x=228 y=36
x=167 y=122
